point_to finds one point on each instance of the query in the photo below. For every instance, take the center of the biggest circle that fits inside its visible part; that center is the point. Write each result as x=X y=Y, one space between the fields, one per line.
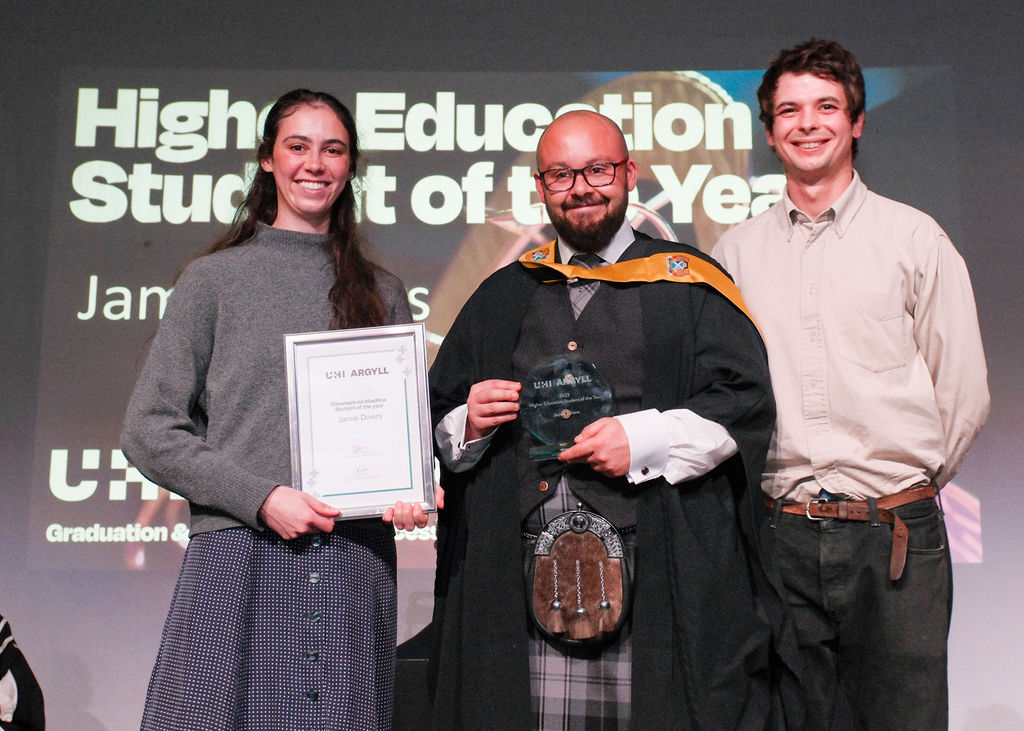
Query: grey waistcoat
x=608 y=335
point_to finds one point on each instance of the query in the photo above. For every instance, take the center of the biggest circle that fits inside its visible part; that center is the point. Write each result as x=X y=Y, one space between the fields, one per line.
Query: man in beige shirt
x=880 y=381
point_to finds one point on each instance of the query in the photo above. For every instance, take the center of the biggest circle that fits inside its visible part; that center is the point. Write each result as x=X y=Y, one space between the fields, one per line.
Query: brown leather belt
x=880 y=512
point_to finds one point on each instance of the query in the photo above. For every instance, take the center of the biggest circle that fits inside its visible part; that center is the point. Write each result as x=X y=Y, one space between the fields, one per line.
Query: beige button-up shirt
x=873 y=343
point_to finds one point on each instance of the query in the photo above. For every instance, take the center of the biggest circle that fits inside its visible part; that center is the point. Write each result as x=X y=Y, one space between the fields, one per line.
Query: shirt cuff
x=676 y=444
x=648 y=447
x=456 y=454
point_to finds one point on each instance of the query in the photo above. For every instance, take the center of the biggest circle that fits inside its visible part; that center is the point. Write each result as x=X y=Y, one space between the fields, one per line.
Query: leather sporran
x=580 y=580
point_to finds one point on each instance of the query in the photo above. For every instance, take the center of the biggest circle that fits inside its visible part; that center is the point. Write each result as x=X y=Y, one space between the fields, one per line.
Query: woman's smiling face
x=310 y=163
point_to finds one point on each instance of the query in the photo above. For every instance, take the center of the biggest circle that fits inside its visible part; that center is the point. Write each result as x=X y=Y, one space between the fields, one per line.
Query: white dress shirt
x=676 y=444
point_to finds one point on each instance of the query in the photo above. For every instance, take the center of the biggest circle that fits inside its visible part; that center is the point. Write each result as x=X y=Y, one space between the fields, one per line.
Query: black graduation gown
x=29 y=714
x=709 y=628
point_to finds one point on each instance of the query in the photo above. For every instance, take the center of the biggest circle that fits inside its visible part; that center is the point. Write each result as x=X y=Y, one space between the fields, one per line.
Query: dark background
x=91 y=636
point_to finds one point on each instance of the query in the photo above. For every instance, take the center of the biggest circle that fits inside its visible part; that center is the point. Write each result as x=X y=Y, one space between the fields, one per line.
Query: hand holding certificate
x=359 y=418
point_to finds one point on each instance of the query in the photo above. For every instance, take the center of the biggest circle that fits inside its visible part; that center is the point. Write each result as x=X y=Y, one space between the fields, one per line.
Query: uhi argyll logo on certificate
x=359 y=417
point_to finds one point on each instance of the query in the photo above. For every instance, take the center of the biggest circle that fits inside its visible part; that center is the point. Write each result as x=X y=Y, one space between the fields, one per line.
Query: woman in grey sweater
x=282 y=618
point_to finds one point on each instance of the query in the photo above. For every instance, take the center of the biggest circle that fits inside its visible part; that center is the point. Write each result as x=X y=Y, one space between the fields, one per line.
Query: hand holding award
x=558 y=399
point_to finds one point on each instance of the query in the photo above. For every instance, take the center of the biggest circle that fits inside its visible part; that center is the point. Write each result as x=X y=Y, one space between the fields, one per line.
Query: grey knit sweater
x=209 y=415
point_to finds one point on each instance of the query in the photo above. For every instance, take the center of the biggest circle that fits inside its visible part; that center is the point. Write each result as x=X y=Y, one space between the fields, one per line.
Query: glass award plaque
x=558 y=398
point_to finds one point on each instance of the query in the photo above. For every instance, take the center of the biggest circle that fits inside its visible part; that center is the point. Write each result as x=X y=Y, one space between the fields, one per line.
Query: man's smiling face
x=586 y=217
x=812 y=132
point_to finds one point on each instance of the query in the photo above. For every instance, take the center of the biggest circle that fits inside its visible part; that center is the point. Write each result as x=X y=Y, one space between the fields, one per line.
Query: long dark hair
x=354 y=298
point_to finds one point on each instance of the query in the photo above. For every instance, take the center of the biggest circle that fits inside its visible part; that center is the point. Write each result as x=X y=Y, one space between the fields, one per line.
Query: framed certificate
x=359 y=417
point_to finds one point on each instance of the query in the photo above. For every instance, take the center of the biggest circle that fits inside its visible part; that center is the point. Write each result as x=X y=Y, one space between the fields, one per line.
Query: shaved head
x=586 y=217
x=585 y=126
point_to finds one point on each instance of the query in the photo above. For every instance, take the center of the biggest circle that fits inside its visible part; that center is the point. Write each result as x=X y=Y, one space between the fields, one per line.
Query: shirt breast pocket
x=874 y=330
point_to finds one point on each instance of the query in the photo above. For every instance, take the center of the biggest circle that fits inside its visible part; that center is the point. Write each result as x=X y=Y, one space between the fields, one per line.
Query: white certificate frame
x=359 y=416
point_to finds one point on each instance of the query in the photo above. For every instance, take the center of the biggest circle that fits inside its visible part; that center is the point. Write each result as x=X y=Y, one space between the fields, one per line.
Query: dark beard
x=590 y=239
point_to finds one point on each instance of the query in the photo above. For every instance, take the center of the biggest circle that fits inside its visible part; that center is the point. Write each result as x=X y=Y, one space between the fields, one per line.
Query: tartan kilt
x=579 y=687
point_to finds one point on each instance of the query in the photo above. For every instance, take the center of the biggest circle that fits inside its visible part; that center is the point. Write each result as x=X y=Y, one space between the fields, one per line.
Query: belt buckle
x=807 y=508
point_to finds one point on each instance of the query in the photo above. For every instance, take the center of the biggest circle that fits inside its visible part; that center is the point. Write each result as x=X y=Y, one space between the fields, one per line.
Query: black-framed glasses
x=598 y=174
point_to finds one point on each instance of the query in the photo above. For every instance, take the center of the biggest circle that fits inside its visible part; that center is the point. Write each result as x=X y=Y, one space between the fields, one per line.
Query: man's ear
x=540 y=187
x=632 y=173
x=858 y=126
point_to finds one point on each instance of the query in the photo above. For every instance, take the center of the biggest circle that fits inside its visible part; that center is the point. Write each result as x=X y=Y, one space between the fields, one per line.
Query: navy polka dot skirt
x=271 y=634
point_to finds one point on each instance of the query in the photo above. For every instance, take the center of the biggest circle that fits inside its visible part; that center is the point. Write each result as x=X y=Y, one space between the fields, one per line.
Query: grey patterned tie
x=581 y=290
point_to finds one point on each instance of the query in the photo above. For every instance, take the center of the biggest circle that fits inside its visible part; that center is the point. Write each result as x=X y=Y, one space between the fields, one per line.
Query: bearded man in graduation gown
x=675 y=468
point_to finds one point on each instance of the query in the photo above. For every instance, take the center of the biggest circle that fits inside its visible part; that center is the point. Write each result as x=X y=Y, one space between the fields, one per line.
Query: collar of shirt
x=843 y=211
x=621 y=241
